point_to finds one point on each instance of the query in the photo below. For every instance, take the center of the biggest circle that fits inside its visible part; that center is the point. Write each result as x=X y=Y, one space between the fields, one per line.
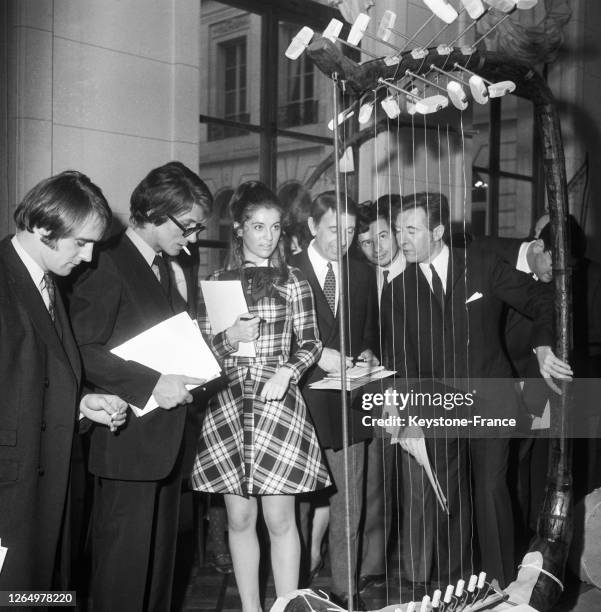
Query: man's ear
x=438 y=232
x=42 y=234
x=538 y=246
x=312 y=226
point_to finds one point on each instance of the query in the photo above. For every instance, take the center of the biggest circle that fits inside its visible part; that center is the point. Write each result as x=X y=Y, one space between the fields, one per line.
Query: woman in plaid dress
x=257 y=441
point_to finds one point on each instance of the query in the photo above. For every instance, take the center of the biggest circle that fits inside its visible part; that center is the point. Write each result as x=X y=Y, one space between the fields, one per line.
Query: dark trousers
x=134 y=539
x=436 y=545
x=379 y=461
x=492 y=508
x=337 y=534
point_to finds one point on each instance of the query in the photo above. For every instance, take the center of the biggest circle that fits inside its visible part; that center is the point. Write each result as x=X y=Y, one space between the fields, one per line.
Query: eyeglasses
x=188 y=231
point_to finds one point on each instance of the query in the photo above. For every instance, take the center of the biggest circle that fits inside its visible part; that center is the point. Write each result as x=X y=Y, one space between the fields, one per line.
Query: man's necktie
x=329 y=288
x=51 y=291
x=385 y=274
x=50 y=288
x=162 y=273
x=437 y=286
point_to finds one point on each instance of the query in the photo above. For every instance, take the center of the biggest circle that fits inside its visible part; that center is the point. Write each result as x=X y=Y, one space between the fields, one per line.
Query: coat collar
x=455 y=273
x=30 y=299
x=324 y=313
x=135 y=268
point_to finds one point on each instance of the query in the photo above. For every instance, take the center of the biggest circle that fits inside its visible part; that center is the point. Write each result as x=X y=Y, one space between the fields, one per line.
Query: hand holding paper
x=244 y=329
x=329 y=361
x=412 y=440
x=171 y=390
x=175 y=348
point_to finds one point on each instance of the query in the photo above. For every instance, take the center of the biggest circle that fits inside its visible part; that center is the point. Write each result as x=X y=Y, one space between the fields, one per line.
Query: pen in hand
x=249 y=317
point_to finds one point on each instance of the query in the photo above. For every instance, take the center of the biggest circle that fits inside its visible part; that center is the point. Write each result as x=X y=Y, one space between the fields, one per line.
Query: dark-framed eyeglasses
x=188 y=231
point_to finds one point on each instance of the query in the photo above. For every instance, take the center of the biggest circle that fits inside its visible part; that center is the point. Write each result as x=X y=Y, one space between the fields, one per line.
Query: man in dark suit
x=528 y=458
x=58 y=223
x=534 y=257
x=442 y=318
x=319 y=262
x=138 y=473
x=377 y=241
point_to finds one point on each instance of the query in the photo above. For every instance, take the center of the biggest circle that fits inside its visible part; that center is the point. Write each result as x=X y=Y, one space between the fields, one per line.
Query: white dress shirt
x=522 y=264
x=441 y=265
x=147 y=252
x=394 y=268
x=34 y=269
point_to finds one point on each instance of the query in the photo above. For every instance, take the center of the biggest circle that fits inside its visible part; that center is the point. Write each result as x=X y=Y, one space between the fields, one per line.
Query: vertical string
x=430 y=297
x=467 y=347
x=444 y=365
x=342 y=331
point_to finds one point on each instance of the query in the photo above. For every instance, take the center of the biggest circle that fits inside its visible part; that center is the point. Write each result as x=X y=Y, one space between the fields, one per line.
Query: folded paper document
x=174 y=346
x=356 y=377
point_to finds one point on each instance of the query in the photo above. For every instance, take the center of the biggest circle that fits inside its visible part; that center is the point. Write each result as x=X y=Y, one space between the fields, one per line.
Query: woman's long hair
x=247 y=198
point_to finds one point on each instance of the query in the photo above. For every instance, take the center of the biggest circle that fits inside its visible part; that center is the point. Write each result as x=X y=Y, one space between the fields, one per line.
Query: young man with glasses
x=138 y=473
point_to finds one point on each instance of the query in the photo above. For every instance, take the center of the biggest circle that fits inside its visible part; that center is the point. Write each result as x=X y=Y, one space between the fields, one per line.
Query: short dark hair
x=169 y=190
x=327 y=201
x=386 y=207
x=60 y=204
x=576 y=238
x=297 y=200
x=435 y=205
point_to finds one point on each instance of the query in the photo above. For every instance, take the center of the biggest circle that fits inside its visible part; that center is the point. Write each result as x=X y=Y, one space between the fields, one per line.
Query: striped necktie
x=50 y=288
x=329 y=288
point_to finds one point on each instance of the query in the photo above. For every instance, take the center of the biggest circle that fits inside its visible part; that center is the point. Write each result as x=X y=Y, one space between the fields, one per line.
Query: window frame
x=272 y=12
x=495 y=174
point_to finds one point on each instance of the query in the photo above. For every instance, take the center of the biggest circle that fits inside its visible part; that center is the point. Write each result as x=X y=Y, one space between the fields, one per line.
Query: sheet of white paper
x=3 y=551
x=421 y=456
x=543 y=421
x=360 y=370
x=424 y=460
x=174 y=346
x=225 y=302
x=352 y=383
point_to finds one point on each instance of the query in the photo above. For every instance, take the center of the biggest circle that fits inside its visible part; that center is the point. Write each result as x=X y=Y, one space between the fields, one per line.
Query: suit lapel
x=142 y=278
x=68 y=341
x=324 y=313
x=425 y=293
x=33 y=304
x=456 y=270
x=347 y=274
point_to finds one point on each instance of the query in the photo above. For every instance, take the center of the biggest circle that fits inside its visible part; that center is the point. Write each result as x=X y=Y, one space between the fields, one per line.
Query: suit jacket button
x=204 y=389
x=43 y=426
x=46 y=383
x=40 y=472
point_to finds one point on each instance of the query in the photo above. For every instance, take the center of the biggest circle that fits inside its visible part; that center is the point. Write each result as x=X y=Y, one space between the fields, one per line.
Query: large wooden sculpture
x=411 y=78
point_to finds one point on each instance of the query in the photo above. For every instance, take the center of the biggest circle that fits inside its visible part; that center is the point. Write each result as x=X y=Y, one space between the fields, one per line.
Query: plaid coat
x=249 y=446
